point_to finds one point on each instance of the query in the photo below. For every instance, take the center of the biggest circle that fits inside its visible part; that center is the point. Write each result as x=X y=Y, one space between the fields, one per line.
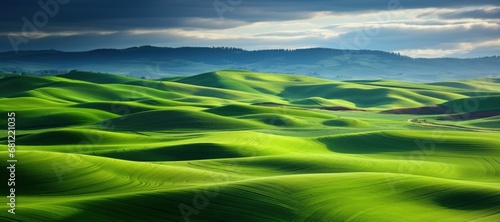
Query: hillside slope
x=252 y=146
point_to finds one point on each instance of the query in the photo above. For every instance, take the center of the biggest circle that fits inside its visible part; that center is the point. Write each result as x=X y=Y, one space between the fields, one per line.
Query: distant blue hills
x=156 y=62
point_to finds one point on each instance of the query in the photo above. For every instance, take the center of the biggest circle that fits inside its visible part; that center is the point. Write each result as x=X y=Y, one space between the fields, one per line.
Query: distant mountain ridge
x=329 y=63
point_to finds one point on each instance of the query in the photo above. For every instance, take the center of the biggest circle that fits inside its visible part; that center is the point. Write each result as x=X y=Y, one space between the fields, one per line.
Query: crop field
x=236 y=145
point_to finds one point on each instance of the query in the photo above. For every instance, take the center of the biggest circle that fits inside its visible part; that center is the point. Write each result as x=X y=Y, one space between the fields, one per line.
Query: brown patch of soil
x=426 y=110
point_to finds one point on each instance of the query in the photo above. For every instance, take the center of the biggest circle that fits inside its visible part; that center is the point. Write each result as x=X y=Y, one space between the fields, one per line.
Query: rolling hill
x=249 y=146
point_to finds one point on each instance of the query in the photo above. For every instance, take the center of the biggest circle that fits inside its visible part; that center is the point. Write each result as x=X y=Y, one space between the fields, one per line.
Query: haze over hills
x=157 y=62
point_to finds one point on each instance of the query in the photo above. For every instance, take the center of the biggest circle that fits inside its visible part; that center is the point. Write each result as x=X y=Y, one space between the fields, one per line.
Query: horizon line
x=243 y=49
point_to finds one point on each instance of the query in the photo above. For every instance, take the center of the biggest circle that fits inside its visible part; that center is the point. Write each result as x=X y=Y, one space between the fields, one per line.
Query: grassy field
x=243 y=146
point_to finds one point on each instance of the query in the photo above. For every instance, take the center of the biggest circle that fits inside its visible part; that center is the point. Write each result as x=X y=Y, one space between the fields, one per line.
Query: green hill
x=238 y=145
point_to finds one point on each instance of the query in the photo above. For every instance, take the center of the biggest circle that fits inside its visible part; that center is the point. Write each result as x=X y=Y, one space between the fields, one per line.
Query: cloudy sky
x=418 y=28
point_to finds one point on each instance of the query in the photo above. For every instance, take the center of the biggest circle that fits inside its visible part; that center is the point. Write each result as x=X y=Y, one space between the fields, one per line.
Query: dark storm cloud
x=111 y=14
x=90 y=24
x=122 y=15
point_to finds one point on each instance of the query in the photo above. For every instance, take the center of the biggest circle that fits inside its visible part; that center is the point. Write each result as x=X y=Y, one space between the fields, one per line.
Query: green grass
x=96 y=78
x=105 y=147
x=473 y=104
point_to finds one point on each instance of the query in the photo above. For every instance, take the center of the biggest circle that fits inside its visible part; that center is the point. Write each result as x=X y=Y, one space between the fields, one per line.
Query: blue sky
x=415 y=28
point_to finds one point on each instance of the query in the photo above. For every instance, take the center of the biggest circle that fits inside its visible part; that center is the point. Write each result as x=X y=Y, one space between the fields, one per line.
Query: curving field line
x=453 y=126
